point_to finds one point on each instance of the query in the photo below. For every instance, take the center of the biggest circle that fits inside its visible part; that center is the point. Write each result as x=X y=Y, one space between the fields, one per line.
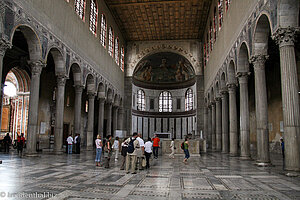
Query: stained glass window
x=103 y=31
x=110 y=42
x=93 y=17
x=141 y=100
x=165 y=102
x=189 y=100
x=122 y=59
x=117 y=51
x=79 y=8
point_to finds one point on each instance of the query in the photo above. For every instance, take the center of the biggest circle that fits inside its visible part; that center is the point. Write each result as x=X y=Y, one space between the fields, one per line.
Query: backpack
x=182 y=145
x=130 y=148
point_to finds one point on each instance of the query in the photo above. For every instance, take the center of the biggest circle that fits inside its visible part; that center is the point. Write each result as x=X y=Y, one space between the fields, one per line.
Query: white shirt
x=70 y=140
x=148 y=147
x=172 y=144
x=98 y=143
x=75 y=139
x=116 y=144
x=141 y=141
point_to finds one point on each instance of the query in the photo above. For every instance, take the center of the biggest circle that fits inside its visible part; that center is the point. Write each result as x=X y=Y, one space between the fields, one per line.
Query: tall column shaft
x=290 y=98
x=218 y=125
x=233 y=135
x=59 y=114
x=90 y=128
x=115 y=119
x=120 y=118
x=101 y=116
x=205 y=122
x=224 y=122
x=109 y=116
x=77 y=116
x=261 y=106
x=213 y=126
x=209 y=127
x=244 y=118
x=36 y=69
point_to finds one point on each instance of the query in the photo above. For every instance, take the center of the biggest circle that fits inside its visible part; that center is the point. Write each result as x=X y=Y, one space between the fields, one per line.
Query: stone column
x=120 y=118
x=224 y=122
x=77 y=112
x=4 y=45
x=101 y=116
x=244 y=115
x=285 y=38
x=213 y=126
x=261 y=106
x=233 y=135
x=32 y=130
x=90 y=125
x=209 y=127
x=218 y=125
x=205 y=122
x=109 y=116
x=115 y=119
x=59 y=114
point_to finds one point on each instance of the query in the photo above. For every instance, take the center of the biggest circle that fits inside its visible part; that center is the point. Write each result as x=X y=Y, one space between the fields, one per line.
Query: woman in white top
x=116 y=148
x=148 y=152
x=98 y=143
x=172 y=147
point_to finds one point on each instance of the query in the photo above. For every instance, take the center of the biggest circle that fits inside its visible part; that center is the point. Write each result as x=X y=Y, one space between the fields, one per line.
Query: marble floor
x=211 y=176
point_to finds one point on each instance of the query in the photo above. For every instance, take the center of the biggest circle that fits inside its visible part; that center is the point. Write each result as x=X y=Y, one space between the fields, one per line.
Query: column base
x=233 y=154
x=58 y=152
x=292 y=174
x=89 y=148
x=224 y=152
x=31 y=154
x=245 y=157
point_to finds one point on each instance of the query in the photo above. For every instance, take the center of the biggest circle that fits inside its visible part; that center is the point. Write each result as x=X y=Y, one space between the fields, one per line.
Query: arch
x=217 y=89
x=243 y=58
x=121 y=102
x=77 y=73
x=90 y=83
x=109 y=95
x=223 y=81
x=101 y=90
x=32 y=39
x=58 y=58
x=288 y=11
x=231 y=72
x=212 y=95
x=261 y=35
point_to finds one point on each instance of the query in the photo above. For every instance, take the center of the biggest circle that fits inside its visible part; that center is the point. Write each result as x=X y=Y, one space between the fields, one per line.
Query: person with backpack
x=185 y=147
x=133 y=145
x=124 y=147
x=107 y=151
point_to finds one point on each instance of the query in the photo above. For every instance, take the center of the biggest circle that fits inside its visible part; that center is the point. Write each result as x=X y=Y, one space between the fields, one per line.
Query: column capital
x=91 y=95
x=243 y=76
x=4 y=45
x=36 y=67
x=101 y=99
x=231 y=87
x=285 y=36
x=217 y=99
x=258 y=61
x=61 y=80
x=78 y=88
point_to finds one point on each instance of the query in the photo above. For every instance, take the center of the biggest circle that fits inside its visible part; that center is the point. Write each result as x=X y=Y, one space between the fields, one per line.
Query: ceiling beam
x=113 y=5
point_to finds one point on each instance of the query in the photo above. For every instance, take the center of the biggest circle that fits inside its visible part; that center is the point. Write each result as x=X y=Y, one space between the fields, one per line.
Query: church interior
x=221 y=74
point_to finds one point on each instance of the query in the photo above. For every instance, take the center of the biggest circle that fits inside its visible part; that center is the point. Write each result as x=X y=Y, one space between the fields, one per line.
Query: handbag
x=144 y=162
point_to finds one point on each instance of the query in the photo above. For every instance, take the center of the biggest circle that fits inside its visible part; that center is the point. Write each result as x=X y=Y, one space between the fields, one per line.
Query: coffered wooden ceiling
x=160 y=19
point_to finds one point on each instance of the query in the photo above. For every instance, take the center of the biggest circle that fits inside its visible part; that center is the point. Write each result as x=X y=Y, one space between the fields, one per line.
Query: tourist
x=148 y=152
x=70 y=144
x=77 y=141
x=282 y=151
x=186 y=149
x=20 y=144
x=107 y=151
x=7 y=142
x=133 y=145
x=172 y=147
x=140 y=152
x=98 y=143
x=124 y=147
x=156 y=141
x=116 y=148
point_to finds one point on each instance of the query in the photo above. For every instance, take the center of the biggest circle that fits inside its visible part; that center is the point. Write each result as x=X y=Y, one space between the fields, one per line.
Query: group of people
x=20 y=143
x=135 y=152
x=76 y=141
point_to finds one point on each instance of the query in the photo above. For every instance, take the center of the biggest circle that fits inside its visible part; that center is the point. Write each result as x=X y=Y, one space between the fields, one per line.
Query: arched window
x=189 y=100
x=93 y=17
x=227 y=4
x=204 y=54
x=207 y=47
x=103 y=31
x=122 y=59
x=79 y=8
x=215 y=24
x=165 y=102
x=111 y=42
x=117 y=51
x=220 y=8
x=141 y=100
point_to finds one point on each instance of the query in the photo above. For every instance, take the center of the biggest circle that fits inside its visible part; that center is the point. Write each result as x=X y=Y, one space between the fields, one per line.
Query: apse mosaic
x=164 y=67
